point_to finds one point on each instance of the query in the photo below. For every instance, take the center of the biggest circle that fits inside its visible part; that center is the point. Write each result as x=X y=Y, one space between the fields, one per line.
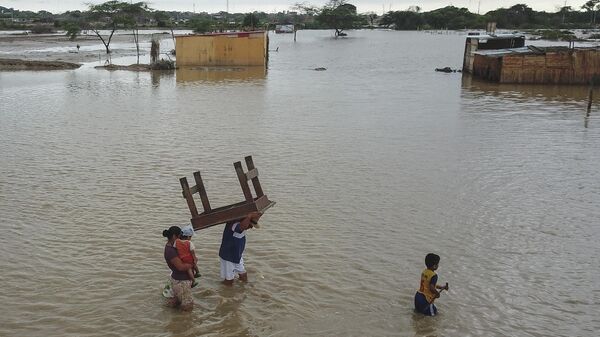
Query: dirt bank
x=16 y=64
x=53 y=47
x=160 y=66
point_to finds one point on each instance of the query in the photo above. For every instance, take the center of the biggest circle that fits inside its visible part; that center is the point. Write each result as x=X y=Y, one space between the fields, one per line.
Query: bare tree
x=132 y=15
x=113 y=14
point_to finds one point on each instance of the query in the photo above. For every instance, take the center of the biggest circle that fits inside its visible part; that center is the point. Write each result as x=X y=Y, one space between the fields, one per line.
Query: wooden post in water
x=589 y=106
x=154 y=49
x=590 y=98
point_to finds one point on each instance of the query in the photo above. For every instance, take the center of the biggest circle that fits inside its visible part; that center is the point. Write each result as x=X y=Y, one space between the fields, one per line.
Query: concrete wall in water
x=224 y=49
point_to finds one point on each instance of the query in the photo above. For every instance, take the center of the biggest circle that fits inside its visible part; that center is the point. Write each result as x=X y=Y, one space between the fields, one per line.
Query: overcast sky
x=211 y=6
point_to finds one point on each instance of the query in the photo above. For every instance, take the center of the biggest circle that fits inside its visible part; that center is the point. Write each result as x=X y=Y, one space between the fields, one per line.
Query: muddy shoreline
x=54 y=47
x=18 y=64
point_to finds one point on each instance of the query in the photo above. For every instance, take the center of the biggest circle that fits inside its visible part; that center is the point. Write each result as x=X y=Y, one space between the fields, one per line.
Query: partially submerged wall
x=574 y=66
x=523 y=69
x=487 y=67
x=227 y=49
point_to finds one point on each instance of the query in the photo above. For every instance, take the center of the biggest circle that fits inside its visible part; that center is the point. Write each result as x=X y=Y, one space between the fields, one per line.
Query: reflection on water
x=556 y=98
x=589 y=106
x=551 y=93
x=374 y=163
x=587 y=118
x=220 y=74
x=158 y=76
x=426 y=326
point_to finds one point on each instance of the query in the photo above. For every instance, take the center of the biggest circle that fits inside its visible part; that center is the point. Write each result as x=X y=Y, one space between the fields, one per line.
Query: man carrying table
x=232 y=248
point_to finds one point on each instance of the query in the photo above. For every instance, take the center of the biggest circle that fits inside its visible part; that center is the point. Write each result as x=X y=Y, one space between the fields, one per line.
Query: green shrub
x=42 y=29
x=163 y=65
x=72 y=30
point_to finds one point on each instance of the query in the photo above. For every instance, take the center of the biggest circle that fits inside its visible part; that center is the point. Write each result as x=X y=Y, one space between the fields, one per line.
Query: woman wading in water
x=180 y=281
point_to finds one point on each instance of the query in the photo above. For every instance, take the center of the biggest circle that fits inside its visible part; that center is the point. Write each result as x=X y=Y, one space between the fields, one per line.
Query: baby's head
x=187 y=232
x=432 y=261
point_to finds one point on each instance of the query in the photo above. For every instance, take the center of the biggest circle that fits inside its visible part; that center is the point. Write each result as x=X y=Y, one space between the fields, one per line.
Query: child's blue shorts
x=424 y=307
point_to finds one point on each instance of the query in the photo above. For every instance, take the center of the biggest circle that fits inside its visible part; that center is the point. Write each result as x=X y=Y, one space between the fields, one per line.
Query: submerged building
x=222 y=49
x=476 y=43
x=549 y=65
x=506 y=59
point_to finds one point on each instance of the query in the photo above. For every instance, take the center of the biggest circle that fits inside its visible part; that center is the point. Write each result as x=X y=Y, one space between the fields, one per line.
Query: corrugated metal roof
x=501 y=52
x=528 y=50
x=495 y=37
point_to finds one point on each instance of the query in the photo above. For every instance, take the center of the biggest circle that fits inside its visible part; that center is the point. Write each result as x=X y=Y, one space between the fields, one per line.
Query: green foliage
x=519 y=16
x=163 y=65
x=251 y=21
x=163 y=19
x=72 y=30
x=339 y=15
x=403 y=20
x=114 y=14
x=336 y=14
x=369 y=18
x=451 y=17
x=42 y=29
x=118 y=13
x=201 y=25
x=557 y=35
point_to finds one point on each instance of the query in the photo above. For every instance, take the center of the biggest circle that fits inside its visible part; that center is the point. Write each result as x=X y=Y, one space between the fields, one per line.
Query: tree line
x=519 y=16
x=339 y=15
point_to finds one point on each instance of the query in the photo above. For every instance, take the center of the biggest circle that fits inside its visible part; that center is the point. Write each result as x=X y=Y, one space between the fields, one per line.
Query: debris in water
x=448 y=70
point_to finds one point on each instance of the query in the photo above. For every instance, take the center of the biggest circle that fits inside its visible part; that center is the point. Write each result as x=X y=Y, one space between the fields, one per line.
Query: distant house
x=22 y=20
x=283 y=29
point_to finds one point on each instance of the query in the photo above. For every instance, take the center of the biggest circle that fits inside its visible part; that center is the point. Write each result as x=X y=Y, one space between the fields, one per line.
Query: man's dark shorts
x=424 y=307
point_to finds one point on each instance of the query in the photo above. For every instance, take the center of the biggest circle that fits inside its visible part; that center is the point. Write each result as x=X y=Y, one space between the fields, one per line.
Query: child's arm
x=433 y=288
x=194 y=256
x=193 y=252
x=179 y=265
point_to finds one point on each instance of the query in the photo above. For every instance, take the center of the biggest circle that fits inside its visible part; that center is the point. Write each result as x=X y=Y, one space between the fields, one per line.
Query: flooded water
x=374 y=163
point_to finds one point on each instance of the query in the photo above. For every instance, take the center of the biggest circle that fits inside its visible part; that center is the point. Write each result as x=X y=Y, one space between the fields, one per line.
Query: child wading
x=187 y=252
x=428 y=291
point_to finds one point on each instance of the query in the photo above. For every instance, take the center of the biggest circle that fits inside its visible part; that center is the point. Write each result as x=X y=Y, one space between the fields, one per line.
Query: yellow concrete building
x=222 y=49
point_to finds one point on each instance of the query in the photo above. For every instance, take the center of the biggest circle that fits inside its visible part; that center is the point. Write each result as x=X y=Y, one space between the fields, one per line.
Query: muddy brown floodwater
x=374 y=162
